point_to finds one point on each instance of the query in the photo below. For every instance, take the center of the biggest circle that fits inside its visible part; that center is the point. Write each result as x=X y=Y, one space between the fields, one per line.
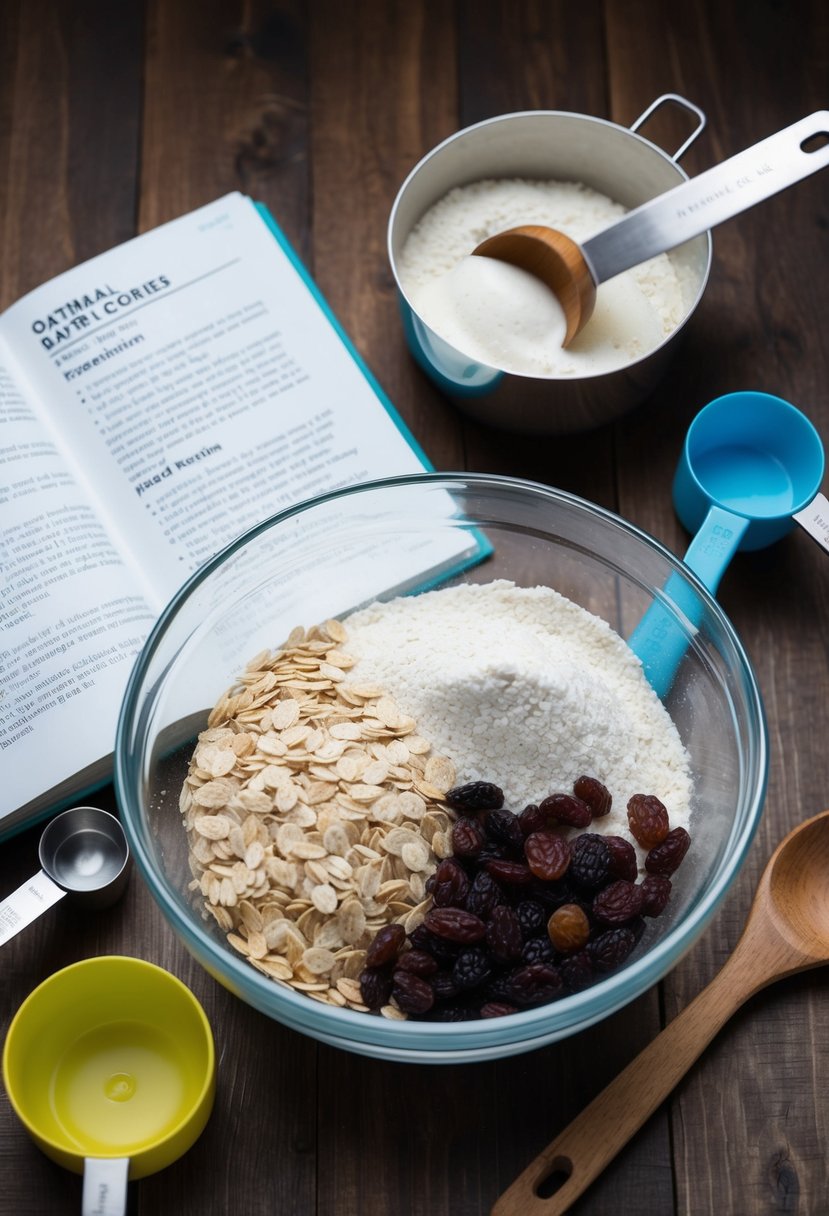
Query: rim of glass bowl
x=433 y=1041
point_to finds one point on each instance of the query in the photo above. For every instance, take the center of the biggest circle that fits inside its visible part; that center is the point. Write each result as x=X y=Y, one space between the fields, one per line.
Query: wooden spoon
x=787 y=931
x=573 y=272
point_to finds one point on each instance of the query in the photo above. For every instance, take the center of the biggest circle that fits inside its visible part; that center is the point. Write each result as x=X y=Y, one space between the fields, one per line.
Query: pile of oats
x=314 y=817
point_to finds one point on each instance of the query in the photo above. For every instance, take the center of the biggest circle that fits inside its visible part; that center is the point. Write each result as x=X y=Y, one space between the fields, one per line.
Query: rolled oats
x=314 y=816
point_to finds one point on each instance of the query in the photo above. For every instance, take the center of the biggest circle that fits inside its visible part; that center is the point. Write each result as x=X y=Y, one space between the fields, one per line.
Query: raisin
x=385 y=945
x=451 y=884
x=413 y=994
x=590 y=861
x=596 y=795
x=568 y=928
x=455 y=924
x=648 y=820
x=497 y=1009
x=475 y=796
x=375 y=987
x=422 y=939
x=453 y=1013
x=611 y=948
x=664 y=858
x=532 y=819
x=467 y=838
x=444 y=986
x=577 y=971
x=492 y=852
x=618 y=902
x=442 y=950
x=504 y=828
x=623 y=862
x=513 y=873
x=656 y=891
x=552 y=895
x=472 y=968
x=538 y=950
x=533 y=984
x=503 y=935
x=531 y=916
x=484 y=895
x=568 y=810
x=548 y=855
x=418 y=962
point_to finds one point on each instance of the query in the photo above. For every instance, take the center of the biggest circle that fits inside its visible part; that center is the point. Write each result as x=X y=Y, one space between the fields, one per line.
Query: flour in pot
x=525 y=688
x=497 y=314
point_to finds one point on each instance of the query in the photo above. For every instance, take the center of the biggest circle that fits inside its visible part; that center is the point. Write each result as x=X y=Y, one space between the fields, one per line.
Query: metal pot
x=547 y=144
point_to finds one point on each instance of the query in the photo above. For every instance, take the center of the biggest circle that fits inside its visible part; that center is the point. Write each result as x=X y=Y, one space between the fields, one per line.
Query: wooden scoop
x=787 y=931
x=573 y=272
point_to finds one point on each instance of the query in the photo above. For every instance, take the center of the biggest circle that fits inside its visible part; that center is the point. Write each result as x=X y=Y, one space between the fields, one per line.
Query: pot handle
x=686 y=105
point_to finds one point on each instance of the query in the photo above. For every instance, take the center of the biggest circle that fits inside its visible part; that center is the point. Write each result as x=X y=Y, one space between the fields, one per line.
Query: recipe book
x=155 y=402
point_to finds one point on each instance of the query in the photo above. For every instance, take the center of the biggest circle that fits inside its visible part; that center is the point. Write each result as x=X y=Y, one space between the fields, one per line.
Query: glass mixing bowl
x=399 y=536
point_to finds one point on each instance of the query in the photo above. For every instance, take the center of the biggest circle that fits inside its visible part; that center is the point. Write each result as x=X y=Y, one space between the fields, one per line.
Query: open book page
x=185 y=386
x=71 y=617
x=200 y=388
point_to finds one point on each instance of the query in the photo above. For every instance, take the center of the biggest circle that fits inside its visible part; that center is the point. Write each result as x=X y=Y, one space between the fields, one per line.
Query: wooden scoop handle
x=595 y=1136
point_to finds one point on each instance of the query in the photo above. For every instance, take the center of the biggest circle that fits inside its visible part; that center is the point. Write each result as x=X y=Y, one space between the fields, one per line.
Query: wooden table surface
x=116 y=117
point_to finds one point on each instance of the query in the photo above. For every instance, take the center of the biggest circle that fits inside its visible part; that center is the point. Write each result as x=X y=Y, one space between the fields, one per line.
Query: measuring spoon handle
x=709 y=198
x=595 y=1136
x=27 y=903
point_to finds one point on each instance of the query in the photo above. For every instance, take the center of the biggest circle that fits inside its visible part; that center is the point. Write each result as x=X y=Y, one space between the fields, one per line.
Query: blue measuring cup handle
x=714 y=545
x=659 y=640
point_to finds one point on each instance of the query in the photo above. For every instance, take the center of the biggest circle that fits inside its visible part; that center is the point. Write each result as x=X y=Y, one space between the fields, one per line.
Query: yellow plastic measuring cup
x=110 y=1065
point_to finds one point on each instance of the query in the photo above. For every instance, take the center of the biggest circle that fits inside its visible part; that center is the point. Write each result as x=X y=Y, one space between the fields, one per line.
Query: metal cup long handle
x=709 y=198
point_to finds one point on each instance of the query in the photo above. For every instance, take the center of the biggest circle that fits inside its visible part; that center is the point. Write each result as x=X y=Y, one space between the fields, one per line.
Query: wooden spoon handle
x=595 y=1136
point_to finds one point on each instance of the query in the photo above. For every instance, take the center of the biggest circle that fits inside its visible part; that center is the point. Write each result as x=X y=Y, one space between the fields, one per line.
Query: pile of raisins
x=525 y=912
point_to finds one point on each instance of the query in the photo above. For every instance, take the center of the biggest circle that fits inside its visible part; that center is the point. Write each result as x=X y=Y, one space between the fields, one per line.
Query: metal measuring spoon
x=750 y=471
x=83 y=853
x=573 y=271
x=787 y=931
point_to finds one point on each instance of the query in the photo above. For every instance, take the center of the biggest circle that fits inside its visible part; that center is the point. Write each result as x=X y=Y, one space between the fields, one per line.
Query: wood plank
x=68 y=170
x=69 y=136
x=226 y=108
x=522 y=56
x=382 y=84
x=525 y=56
x=530 y=56
x=381 y=1124
x=753 y=330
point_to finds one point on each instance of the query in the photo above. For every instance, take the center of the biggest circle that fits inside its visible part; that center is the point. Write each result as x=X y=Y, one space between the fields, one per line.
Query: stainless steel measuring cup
x=83 y=853
x=547 y=145
x=750 y=471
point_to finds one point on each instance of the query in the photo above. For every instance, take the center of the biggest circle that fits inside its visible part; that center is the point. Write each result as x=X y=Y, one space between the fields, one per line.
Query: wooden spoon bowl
x=555 y=259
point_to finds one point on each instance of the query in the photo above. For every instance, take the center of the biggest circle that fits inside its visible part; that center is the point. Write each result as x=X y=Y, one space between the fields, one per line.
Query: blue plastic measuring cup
x=750 y=470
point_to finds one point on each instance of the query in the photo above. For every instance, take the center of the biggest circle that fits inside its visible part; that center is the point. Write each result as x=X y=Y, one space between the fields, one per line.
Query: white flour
x=492 y=312
x=523 y=687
